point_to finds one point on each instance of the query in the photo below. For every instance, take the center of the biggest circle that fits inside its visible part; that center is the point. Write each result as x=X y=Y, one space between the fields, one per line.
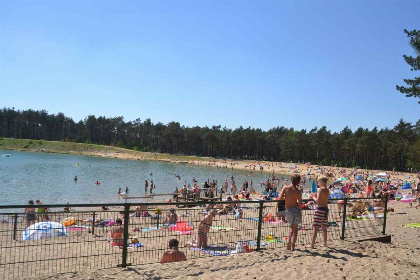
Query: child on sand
x=293 y=201
x=321 y=211
x=173 y=255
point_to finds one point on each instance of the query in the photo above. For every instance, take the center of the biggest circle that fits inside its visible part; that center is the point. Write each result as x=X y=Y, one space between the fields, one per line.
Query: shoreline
x=93 y=150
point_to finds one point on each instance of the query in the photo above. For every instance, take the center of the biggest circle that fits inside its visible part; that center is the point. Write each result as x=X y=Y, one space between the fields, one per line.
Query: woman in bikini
x=204 y=228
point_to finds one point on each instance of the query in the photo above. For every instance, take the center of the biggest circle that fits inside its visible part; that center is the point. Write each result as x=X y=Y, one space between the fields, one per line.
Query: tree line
x=397 y=148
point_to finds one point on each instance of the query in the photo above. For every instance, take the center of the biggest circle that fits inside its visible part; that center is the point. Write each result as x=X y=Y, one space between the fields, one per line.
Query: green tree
x=413 y=85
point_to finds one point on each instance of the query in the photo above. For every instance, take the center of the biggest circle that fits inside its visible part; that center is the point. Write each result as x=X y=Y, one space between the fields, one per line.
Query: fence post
x=126 y=222
x=15 y=227
x=343 y=227
x=157 y=220
x=385 y=211
x=93 y=222
x=260 y=218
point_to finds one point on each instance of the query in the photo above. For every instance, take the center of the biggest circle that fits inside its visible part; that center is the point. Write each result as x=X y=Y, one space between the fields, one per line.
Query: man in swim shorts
x=293 y=201
x=321 y=211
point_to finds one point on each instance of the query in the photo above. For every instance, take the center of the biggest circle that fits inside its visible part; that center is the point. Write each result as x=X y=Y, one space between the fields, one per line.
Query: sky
x=263 y=64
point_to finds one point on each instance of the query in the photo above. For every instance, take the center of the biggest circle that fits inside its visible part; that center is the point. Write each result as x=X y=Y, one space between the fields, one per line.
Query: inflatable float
x=68 y=221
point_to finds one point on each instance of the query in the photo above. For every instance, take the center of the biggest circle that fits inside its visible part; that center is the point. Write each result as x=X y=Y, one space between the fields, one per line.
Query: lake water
x=49 y=177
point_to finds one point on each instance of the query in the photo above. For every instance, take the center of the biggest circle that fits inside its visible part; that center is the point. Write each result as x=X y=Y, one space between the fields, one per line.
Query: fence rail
x=80 y=239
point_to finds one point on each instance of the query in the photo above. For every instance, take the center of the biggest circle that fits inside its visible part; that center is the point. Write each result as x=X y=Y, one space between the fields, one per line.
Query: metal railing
x=84 y=241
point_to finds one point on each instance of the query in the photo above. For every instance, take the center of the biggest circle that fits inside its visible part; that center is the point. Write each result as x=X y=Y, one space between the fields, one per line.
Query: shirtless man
x=321 y=211
x=204 y=228
x=117 y=234
x=173 y=255
x=293 y=201
x=146 y=185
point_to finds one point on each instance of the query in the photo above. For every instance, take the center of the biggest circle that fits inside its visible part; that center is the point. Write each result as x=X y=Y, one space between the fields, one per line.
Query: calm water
x=49 y=177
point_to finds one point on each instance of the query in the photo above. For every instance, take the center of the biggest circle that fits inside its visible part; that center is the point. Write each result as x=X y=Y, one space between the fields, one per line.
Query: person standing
x=117 y=234
x=225 y=186
x=41 y=210
x=175 y=194
x=204 y=228
x=184 y=192
x=321 y=211
x=30 y=214
x=152 y=185
x=146 y=185
x=369 y=189
x=293 y=202
x=233 y=188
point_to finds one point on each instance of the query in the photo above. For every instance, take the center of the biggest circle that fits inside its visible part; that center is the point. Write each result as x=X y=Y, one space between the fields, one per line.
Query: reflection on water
x=50 y=177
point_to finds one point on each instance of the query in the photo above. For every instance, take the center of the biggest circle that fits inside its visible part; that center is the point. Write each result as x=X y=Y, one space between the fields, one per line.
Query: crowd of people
x=289 y=197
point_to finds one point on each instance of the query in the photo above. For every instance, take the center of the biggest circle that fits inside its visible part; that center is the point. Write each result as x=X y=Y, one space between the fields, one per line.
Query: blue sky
x=261 y=63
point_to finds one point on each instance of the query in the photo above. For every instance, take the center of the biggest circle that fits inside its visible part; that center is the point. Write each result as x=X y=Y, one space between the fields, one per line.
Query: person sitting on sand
x=321 y=211
x=172 y=218
x=173 y=255
x=293 y=202
x=204 y=228
x=117 y=234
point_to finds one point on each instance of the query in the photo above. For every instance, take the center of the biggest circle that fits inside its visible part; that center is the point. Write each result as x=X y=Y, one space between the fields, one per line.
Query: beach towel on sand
x=413 y=225
x=223 y=228
x=251 y=243
x=214 y=250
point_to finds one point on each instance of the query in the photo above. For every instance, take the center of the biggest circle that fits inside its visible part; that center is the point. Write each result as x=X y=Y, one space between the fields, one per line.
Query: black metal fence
x=79 y=239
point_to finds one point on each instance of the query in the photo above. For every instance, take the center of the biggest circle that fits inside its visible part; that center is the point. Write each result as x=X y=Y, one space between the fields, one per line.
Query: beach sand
x=343 y=260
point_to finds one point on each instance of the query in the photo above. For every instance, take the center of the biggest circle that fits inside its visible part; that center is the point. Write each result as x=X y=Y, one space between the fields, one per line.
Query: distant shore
x=83 y=149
